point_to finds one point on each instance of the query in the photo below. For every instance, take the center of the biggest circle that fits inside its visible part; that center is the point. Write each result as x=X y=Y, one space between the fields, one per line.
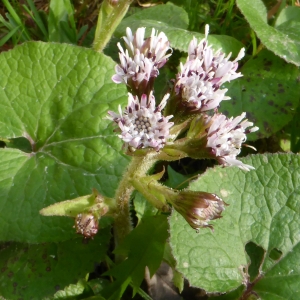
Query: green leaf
x=176 y=180
x=98 y=284
x=71 y=290
x=144 y=246
x=234 y=295
x=283 y=278
x=37 y=271
x=180 y=38
x=290 y=135
x=37 y=18
x=61 y=23
x=169 y=13
x=142 y=207
x=276 y=40
x=268 y=91
x=14 y=18
x=57 y=96
x=173 y=21
x=287 y=14
x=8 y=36
x=263 y=209
x=292 y=29
x=178 y=280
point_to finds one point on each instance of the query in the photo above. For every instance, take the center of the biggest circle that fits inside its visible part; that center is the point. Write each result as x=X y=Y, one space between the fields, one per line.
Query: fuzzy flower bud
x=202 y=75
x=198 y=208
x=141 y=124
x=225 y=137
x=142 y=58
x=86 y=224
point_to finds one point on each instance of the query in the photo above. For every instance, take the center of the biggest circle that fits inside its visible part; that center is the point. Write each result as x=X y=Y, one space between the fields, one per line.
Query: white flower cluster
x=197 y=88
x=202 y=75
x=142 y=57
x=142 y=125
x=225 y=137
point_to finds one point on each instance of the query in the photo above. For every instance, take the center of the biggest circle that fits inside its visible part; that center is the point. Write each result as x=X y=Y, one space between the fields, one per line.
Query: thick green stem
x=138 y=167
x=109 y=18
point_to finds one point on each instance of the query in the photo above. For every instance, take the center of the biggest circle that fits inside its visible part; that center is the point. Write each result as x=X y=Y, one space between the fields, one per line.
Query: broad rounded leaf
x=280 y=42
x=268 y=91
x=56 y=96
x=263 y=209
x=38 y=271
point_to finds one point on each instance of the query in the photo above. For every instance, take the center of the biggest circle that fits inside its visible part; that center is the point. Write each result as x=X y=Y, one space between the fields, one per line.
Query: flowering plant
x=196 y=90
x=155 y=151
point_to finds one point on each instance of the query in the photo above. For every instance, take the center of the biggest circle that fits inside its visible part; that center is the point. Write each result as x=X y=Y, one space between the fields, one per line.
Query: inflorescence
x=193 y=99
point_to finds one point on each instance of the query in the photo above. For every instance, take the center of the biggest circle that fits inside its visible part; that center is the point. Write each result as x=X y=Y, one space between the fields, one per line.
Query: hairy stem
x=138 y=167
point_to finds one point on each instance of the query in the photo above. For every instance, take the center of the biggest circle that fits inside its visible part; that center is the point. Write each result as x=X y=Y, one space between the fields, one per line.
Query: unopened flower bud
x=86 y=224
x=198 y=208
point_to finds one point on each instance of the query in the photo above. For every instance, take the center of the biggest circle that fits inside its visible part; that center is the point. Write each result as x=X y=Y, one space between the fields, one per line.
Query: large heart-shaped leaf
x=263 y=209
x=56 y=96
x=38 y=271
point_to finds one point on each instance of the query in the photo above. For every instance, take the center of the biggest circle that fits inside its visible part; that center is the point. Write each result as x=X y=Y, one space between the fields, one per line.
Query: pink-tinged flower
x=202 y=75
x=198 y=208
x=142 y=58
x=141 y=124
x=155 y=47
x=197 y=88
x=225 y=137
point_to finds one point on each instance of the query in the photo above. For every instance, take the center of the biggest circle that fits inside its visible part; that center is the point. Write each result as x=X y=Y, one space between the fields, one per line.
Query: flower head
x=202 y=75
x=141 y=124
x=198 y=208
x=225 y=137
x=142 y=57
